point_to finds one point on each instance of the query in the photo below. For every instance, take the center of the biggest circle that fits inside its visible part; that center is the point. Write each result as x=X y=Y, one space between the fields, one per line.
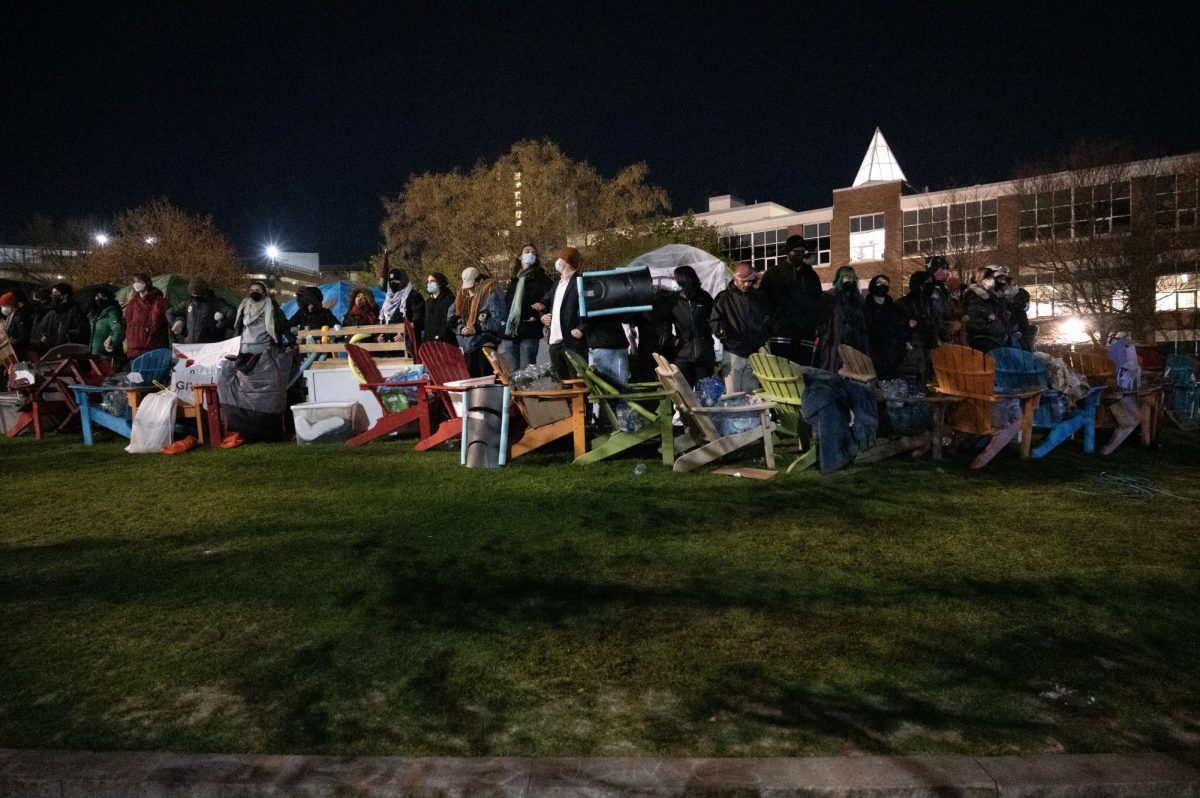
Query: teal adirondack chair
x=153 y=366
x=1018 y=371
x=640 y=398
x=1185 y=393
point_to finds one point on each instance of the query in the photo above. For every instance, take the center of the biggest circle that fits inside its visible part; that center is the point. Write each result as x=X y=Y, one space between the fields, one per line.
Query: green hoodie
x=107 y=323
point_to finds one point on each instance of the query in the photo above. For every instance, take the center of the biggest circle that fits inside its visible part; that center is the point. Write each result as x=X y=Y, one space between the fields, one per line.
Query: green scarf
x=514 y=312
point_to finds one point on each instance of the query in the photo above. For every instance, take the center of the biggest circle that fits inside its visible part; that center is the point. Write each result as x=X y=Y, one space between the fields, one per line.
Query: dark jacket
x=414 y=311
x=107 y=324
x=845 y=324
x=795 y=305
x=887 y=332
x=438 y=310
x=570 y=313
x=916 y=306
x=693 y=336
x=19 y=327
x=605 y=332
x=537 y=283
x=65 y=323
x=739 y=320
x=146 y=323
x=987 y=319
x=199 y=326
x=304 y=319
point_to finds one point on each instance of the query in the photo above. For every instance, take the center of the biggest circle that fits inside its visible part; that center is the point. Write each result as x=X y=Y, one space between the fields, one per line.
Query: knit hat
x=197 y=286
x=7 y=300
x=796 y=242
x=469 y=276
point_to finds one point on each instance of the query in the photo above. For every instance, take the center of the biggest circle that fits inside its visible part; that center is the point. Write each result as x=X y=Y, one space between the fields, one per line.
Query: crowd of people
x=784 y=308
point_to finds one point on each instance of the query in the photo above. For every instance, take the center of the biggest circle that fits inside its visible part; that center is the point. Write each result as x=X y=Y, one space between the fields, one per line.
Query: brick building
x=1040 y=226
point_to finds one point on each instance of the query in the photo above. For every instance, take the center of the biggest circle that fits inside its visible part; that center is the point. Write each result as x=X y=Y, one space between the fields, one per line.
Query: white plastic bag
x=154 y=424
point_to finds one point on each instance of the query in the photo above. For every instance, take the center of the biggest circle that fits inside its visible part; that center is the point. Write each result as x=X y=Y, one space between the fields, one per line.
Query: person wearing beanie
x=795 y=303
x=108 y=328
x=203 y=318
x=923 y=324
x=17 y=320
x=523 y=327
x=480 y=313
x=145 y=318
x=63 y=323
x=560 y=312
x=739 y=320
x=845 y=322
x=311 y=313
x=886 y=328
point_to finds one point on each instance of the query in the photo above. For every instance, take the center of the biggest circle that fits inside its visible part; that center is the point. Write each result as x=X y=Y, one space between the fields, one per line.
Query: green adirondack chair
x=782 y=382
x=648 y=400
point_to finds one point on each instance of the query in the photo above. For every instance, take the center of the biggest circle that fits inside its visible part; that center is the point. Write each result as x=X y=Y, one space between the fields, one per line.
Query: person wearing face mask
x=560 y=312
x=795 y=304
x=311 y=313
x=923 y=323
x=203 y=318
x=108 y=328
x=939 y=272
x=17 y=321
x=987 y=311
x=63 y=323
x=845 y=322
x=886 y=328
x=739 y=320
x=439 y=309
x=403 y=301
x=954 y=321
x=695 y=355
x=523 y=327
x=363 y=310
x=259 y=321
x=1021 y=332
x=480 y=312
x=145 y=318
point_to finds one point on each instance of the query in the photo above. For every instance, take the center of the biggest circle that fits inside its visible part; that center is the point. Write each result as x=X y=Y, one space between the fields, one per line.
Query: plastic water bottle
x=639 y=469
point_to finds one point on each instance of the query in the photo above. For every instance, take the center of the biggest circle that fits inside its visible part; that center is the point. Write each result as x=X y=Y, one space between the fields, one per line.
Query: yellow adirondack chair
x=782 y=384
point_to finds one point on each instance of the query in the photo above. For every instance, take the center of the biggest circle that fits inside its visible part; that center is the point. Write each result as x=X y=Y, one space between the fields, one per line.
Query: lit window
x=866 y=237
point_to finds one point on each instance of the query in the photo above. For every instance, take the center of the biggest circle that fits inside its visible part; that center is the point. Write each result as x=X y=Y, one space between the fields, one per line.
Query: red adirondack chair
x=374 y=382
x=445 y=364
x=58 y=369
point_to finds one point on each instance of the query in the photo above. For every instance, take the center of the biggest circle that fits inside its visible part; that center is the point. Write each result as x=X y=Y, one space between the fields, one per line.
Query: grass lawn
x=384 y=601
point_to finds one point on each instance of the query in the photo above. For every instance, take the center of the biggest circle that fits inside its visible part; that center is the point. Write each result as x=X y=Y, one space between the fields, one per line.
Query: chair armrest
x=550 y=394
x=754 y=408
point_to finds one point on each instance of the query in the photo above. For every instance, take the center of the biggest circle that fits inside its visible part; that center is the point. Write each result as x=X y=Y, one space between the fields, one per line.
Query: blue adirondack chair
x=1018 y=370
x=153 y=366
x=1185 y=393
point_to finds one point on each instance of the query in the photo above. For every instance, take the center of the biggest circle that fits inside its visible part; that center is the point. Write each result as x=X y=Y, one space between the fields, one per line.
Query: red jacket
x=146 y=323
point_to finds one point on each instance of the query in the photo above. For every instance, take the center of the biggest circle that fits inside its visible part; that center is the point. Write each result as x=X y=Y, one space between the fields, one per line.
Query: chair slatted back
x=365 y=367
x=152 y=365
x=444 y=362
x=856 y=365
x=1151 y=358
x=970 y=372
x=1098 y=370
x=781 y=380
x=412 y=343
x=606 y=389
x=1018 y=370
x=700 y=426
x=500 y=369
x=1181 y=368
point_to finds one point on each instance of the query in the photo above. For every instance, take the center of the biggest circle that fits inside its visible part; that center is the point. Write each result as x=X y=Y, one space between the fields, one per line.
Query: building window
x=817 y=235
x=942 y=229
x=1175 y=201
x=1079 y=212
x=866 y=237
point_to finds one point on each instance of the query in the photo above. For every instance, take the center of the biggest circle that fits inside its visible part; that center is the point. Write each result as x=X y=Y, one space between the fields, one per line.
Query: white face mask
x=559 y=265
x=7 y=311
x=431 y=287
x=139 y=287
x=989 y=283
x=529 y=258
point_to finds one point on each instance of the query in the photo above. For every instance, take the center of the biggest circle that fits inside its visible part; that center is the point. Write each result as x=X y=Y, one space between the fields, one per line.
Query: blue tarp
x=339 y=295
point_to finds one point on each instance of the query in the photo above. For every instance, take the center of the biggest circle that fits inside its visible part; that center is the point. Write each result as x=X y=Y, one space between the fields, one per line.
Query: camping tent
x=175 y=289
x=337 y=297
x=663 y=261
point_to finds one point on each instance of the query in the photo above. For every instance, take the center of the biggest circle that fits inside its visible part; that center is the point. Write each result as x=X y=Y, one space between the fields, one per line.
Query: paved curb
x=65 y=774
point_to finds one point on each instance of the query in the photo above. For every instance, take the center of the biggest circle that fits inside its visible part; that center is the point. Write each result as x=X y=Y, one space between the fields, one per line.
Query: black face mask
x=928 y=289
x=879 y=289
x=256 y=296
x=1000 y=284
x=60 y=300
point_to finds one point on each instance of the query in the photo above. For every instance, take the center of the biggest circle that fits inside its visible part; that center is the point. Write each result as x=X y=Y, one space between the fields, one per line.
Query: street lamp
x=273 y=252
x=101 y=238
x=150 y=240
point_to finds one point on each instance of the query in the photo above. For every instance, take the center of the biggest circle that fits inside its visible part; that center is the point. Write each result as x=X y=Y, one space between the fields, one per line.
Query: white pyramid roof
x=878 y=164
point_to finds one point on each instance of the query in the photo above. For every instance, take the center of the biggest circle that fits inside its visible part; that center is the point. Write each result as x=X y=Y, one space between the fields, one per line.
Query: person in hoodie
x=739 y=320
x=403 y=302
x=1022 y=333
x=203 y=318
x=439 y=310
x=108 y=328
x=923 y=323
x=64 y=322
x=311 y=313
x=845 y=322
x=939 y=273
x=523 y=327
x=795 y=305
x=695 y=354
x=259 y=321
x=363 y=311
x=887 y=329
x=17 y=321
x=145 y=318
x=988 y=311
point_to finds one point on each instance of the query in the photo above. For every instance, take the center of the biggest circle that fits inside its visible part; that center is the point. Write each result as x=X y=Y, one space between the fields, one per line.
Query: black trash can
x=481 y=433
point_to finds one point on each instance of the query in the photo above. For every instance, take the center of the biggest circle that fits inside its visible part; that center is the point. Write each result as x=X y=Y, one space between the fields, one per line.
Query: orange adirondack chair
x=533 y=433
x=1095 y=365
x=374 y=382
x=971 y=375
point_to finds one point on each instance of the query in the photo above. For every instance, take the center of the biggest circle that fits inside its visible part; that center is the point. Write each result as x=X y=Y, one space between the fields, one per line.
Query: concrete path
x=68 y=773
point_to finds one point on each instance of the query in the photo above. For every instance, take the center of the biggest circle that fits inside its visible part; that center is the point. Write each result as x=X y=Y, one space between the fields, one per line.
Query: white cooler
x=328 y=422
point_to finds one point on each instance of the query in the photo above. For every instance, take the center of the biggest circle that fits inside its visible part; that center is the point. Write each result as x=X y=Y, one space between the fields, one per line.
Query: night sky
x=290 y=124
